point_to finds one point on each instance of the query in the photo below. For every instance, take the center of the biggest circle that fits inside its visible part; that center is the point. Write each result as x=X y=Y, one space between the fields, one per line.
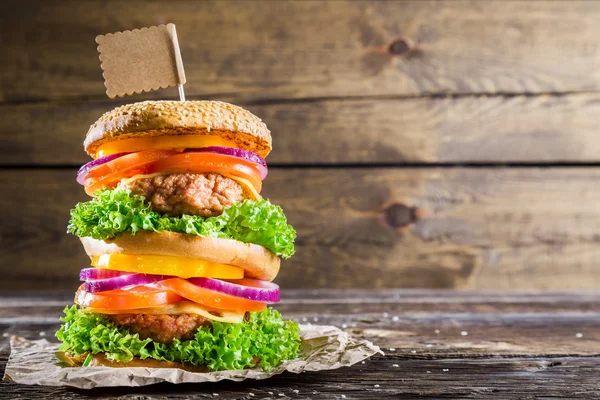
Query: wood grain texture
x=414 y=130
x=422 y=324
x=364 y=227
x=238 y=50
x=518 y=345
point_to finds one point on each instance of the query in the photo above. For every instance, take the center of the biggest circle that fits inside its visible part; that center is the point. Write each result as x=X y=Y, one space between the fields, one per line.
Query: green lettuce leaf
x=265 y=338
x=116 y=211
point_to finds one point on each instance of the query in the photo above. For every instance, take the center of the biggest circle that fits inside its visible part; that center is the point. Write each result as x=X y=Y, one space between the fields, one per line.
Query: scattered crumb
x=375 y=385
x=437 y=331
x=395 y=318
x=395 y=365
x=445 y=370
x=579 y=335
x=344 y=326
x=429 y=345
x=464 y=333
x=42 y=333
x=392 y=349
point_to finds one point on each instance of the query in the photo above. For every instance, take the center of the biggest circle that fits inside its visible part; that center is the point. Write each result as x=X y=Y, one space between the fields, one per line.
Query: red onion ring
x=94 y=274
x=250 y=289
x=86 y=168
x=103 y=285
x=254 y=158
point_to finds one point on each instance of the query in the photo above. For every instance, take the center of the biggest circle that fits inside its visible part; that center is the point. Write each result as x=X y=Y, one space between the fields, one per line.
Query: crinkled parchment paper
x=32 y=362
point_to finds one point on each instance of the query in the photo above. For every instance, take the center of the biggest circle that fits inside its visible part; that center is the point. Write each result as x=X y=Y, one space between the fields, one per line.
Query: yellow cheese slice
x=183 y=307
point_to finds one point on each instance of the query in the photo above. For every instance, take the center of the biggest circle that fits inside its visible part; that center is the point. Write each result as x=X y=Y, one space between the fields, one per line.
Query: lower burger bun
x=100 y=360
x=257 y=262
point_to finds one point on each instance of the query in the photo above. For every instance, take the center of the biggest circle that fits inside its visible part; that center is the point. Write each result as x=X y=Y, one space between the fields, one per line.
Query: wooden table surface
x=438 y=344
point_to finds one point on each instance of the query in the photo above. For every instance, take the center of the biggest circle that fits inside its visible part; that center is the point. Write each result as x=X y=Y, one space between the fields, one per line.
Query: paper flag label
x=140 y=60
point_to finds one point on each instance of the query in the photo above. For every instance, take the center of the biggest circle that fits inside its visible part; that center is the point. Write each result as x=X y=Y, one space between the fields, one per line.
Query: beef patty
x=162 y=328
x=196 y=194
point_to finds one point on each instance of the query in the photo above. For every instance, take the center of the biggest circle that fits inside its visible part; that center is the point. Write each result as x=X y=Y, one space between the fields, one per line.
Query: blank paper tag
x=140 y=60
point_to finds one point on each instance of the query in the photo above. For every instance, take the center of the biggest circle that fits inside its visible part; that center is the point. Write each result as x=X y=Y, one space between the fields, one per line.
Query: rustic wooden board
x=363 y=227
x=518 y=345
x=264 y=50
x=572 y=377
x=423 y=324
x=413 y=130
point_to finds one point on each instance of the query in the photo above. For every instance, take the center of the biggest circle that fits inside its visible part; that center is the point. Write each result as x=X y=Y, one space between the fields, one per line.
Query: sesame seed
x=392 y=349
x=385 y=315
x=315 y=319
x=343 y=396
x=344 y=326
x=437 y=331
x=5 y=334
x=395 y=365
x=413 y=351
x=429 y=345
x=280 y=394
x=579 y=335
x=42 y=333
x=464 y=333
x=215 y=394
x=304 y=319
x=295 y=391
x=445 y=370
x=428 y=372
x=375 y=385
x=395 y=318
x=362 y=362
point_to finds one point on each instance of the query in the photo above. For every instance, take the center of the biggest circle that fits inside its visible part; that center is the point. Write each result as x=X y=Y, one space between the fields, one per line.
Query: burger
x=183 y=248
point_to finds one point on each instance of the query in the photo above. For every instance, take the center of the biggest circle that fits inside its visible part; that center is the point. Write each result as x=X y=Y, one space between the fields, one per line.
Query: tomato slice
x=210 y=162
x=182 y=267
x=136 y=297
x=209 y=298
x=153 y=161
x=109 y=174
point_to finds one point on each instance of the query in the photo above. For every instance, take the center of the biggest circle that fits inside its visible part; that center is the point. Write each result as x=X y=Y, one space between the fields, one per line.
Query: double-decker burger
x=183 y=247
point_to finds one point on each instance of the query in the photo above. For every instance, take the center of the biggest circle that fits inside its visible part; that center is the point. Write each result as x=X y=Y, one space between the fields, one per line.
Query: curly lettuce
x=117 y=211
x=264 y=339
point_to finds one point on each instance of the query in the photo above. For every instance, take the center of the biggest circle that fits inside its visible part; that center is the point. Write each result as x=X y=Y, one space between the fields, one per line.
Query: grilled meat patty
x=162 y=328
x=196 y=194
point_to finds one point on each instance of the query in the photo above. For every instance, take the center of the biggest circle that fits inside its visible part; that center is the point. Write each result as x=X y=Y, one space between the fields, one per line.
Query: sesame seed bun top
x=161 y=118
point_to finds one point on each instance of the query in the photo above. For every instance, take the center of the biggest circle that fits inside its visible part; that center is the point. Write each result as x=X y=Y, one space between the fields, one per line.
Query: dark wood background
x=443 y=144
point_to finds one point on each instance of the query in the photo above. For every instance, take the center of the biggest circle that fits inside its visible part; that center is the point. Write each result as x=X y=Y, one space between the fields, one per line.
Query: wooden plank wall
x=417 y=143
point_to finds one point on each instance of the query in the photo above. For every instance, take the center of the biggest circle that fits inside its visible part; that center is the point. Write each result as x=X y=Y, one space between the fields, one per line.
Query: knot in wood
x=398 y=215
x=400 y=46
